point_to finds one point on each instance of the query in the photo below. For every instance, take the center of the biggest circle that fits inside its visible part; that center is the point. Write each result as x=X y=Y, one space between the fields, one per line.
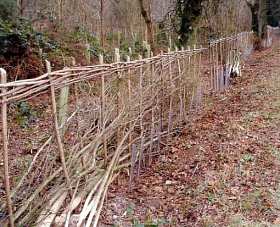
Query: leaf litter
x=223 y=170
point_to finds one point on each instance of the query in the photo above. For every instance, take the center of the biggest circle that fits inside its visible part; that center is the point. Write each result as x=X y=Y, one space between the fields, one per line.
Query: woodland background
x=32 y=30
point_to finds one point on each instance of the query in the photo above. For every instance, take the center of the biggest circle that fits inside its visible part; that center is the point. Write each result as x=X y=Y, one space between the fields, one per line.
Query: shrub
x=8 y=9
x=13 y=40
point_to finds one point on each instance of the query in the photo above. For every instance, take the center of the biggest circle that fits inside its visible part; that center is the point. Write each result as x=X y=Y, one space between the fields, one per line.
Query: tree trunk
x=259 y=12
x=20 y=7
x=101 y=23
x=262 y=18
x=60 y=11
x=254 y=12
x=148 y=20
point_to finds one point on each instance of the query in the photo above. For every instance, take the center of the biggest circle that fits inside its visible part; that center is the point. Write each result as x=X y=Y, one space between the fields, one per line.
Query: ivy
x=188 y=11
x=7 y=9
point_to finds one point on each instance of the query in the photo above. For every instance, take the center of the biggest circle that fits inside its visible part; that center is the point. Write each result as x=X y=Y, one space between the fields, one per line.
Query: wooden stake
x=117 y=55
x=101 y=59
x=102 y=112
x=184 y=82
x=200 y=88
x=152 y=84
x=211 y=66
x=63 y=108
x=131 y=147
x=196 y=77
x=87 y=53
x=129 y=105
x=5 y=150
x=217 y=66
x=170 y=114
x=189 y=75
x=130 y=51
x=193 y=79
x=75 y=84
x=141 y=117
x=148 y=50
x=213 y=63
x=117 y=59
x=160 y=103
x=170 y=42
x=56 y=127
x=181 y=91
x=221 y=73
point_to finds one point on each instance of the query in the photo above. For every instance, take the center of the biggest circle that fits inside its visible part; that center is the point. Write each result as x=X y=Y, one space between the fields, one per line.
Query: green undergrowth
x=22 y=46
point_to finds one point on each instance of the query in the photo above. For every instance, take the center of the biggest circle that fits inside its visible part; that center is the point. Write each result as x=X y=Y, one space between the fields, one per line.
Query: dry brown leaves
x=224 y=168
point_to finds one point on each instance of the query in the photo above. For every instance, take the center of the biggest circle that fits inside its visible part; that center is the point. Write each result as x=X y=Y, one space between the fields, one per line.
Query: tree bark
x=20 y=7
x=148 y=20
x=60 y=11
x=259 y=12
x=262 y=18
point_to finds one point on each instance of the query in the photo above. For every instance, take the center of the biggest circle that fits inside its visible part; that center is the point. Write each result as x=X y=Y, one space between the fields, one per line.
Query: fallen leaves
x=225 y=163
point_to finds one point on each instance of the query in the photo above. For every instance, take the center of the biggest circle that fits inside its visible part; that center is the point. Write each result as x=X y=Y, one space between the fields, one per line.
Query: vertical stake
x=200 y=88
x=170 y=43
x=193 y=78
x=211 y=66
x=117 y=55
x=170 y=114
x=102 y=113
x=189 y=72
x=130 y=51
x=184 y=82
x=148 y=50
x=217 y=67
x=181 y=90
x=5 y=150
x=119 y=38
x=141 y=116
x=152 y=82
x=56 y=126
x=221 y=73
x=117 y=59
x=75 y=84
x=63 y=108
x=87 y=45
x=130 y=145
x=161 y=102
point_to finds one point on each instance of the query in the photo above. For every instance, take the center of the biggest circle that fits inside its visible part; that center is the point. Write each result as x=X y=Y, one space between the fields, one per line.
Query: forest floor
x=223 y=170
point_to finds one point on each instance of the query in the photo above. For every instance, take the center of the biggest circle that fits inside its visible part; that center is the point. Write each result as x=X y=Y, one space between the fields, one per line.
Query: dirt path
x=224 y=170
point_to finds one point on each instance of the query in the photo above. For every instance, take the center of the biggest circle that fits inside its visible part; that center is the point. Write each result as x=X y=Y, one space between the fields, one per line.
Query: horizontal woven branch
x=118 y=123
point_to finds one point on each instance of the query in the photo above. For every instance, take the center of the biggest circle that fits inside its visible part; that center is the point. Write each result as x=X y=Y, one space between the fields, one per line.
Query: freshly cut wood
x=5 y=149
x=56 y=127
x=48 y=215
x=121 y=114
x=63 y=109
